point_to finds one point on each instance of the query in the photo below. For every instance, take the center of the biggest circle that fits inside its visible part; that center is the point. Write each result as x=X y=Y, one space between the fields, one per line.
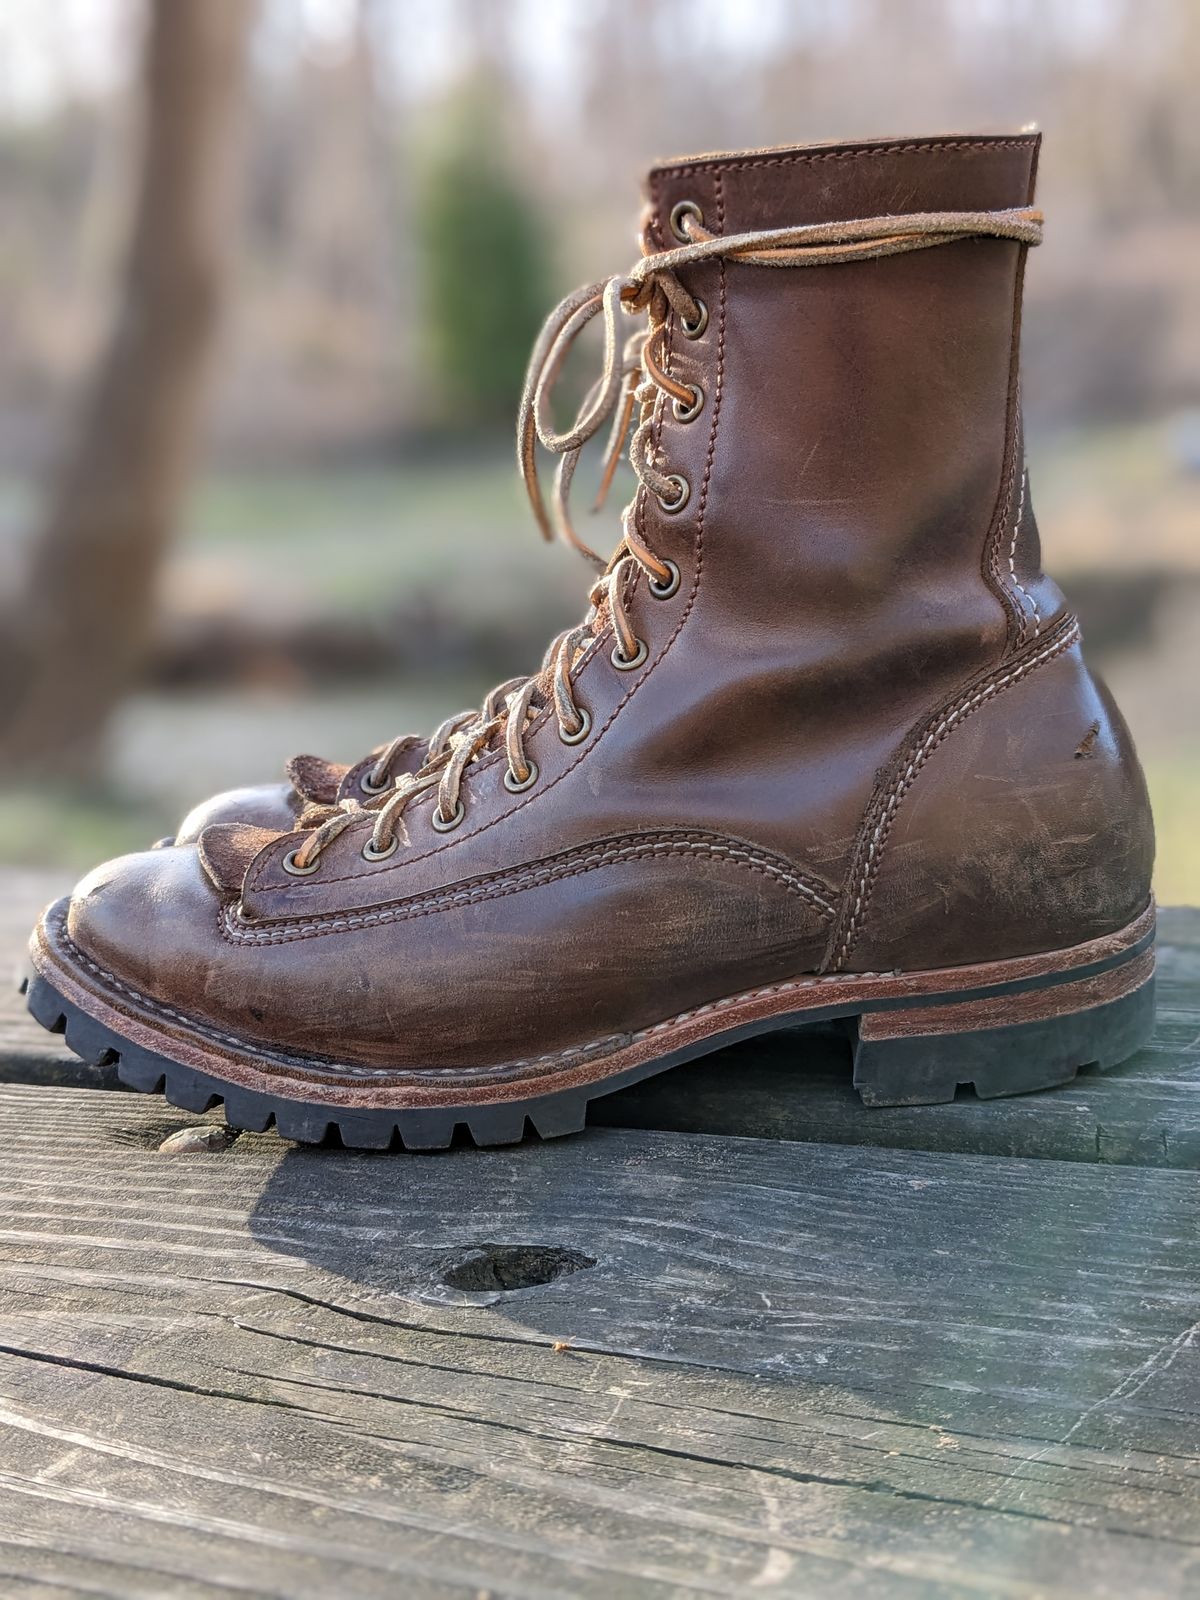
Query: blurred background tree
x=413 y=187
x=77 y=635
x=485 y=265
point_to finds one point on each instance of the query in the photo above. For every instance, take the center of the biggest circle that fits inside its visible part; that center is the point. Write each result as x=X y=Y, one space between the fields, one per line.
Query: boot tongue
x=316 y=779
x=226 y=849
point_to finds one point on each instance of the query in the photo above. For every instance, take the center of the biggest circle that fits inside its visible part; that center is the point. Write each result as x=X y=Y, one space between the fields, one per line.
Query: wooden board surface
x=1145 y=1113
x=792 y=1369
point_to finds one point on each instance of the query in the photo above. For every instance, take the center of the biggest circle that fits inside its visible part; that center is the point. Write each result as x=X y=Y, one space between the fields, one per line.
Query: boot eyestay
x=290 y=866
x=625 y=663
x=516 y=785
x=663 y=589
x=581 y=733
x=370 y=853
x=695 y=330
x=444 y=826
x=680 y=210
x=368 y=785
x=689 y=413
x=674 y=507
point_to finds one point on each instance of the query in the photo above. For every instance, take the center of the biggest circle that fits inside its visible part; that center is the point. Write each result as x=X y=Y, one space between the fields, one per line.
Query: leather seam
x=234 y=929
x=990 y=566
x=948 y=722
x=1014 y=456
x=1012 y=561
x=687 y=169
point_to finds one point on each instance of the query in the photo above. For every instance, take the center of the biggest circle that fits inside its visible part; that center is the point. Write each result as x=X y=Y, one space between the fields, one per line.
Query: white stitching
x=236 y=930
x=1012 y=562
x=920 y=756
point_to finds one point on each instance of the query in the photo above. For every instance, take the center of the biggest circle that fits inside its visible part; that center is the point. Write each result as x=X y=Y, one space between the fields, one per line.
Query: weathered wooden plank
x=806 y=1369
x=1145 y=1113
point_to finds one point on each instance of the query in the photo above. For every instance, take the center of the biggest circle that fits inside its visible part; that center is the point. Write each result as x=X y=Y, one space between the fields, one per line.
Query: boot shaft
x=856 y=466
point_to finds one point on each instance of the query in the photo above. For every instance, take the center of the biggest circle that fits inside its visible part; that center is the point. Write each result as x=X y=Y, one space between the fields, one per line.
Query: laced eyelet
x=674 y=507
x=664 y=590
x=369 y=852
x=695 y=330
x=290 y=867
x=689 y=413
x=581 y=733
x=367 y=787
x=441 y=826
x=627 y=663
x=519 y=785
x=680 y=210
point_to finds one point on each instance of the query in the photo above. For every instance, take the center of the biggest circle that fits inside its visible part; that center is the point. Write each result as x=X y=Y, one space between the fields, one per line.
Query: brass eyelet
x=681 y=209
x=519 y=785
x=689 y=413
x=695 y=330
x=439 y=826
x=367 y=787
x=581 y=733
x=664 y=591
x=674 y=507
x=628 y=663
x=289 y=866
x=369 y=852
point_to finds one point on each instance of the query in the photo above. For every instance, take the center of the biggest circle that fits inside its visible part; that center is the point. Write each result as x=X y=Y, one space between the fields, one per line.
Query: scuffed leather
x=845 y=561
x=465 y=983
x=1028 y=828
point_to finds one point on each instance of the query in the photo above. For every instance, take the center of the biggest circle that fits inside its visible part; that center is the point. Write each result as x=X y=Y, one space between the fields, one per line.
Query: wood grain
x=793 y=1368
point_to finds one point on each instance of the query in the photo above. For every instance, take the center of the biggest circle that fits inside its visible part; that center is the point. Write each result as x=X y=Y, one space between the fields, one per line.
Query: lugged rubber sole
x=1005 y=1027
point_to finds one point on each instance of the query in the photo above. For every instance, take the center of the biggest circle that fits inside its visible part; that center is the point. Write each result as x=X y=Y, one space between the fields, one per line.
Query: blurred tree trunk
x=84 y=623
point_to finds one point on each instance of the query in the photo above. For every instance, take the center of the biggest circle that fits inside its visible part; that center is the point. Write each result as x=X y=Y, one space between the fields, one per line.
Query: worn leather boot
x=825 y=746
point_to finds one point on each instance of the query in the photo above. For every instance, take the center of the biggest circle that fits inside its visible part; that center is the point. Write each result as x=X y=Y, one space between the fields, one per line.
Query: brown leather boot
x=825 y=747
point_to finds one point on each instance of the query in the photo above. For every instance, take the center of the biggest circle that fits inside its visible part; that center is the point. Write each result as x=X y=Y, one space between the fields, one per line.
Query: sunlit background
x=256 y=408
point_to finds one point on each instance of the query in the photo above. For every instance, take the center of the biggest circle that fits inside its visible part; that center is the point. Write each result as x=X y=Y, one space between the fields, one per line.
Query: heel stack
x=1004 y=1044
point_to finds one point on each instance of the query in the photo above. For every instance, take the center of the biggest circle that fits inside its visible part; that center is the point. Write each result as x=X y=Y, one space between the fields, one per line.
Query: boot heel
x=1003 y=1044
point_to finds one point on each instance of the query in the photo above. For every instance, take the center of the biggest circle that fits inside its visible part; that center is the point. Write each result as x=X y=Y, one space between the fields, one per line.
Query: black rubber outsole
x=1015 y=1059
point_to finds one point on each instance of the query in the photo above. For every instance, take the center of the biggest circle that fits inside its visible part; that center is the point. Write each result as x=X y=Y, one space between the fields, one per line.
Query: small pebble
x=202 y=1139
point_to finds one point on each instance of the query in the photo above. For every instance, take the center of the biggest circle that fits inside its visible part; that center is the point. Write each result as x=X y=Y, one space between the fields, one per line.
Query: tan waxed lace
x=633 y=378
x=378 y=777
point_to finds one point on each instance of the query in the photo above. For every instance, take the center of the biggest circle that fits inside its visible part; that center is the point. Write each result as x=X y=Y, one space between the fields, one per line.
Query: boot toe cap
x=144 y=922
